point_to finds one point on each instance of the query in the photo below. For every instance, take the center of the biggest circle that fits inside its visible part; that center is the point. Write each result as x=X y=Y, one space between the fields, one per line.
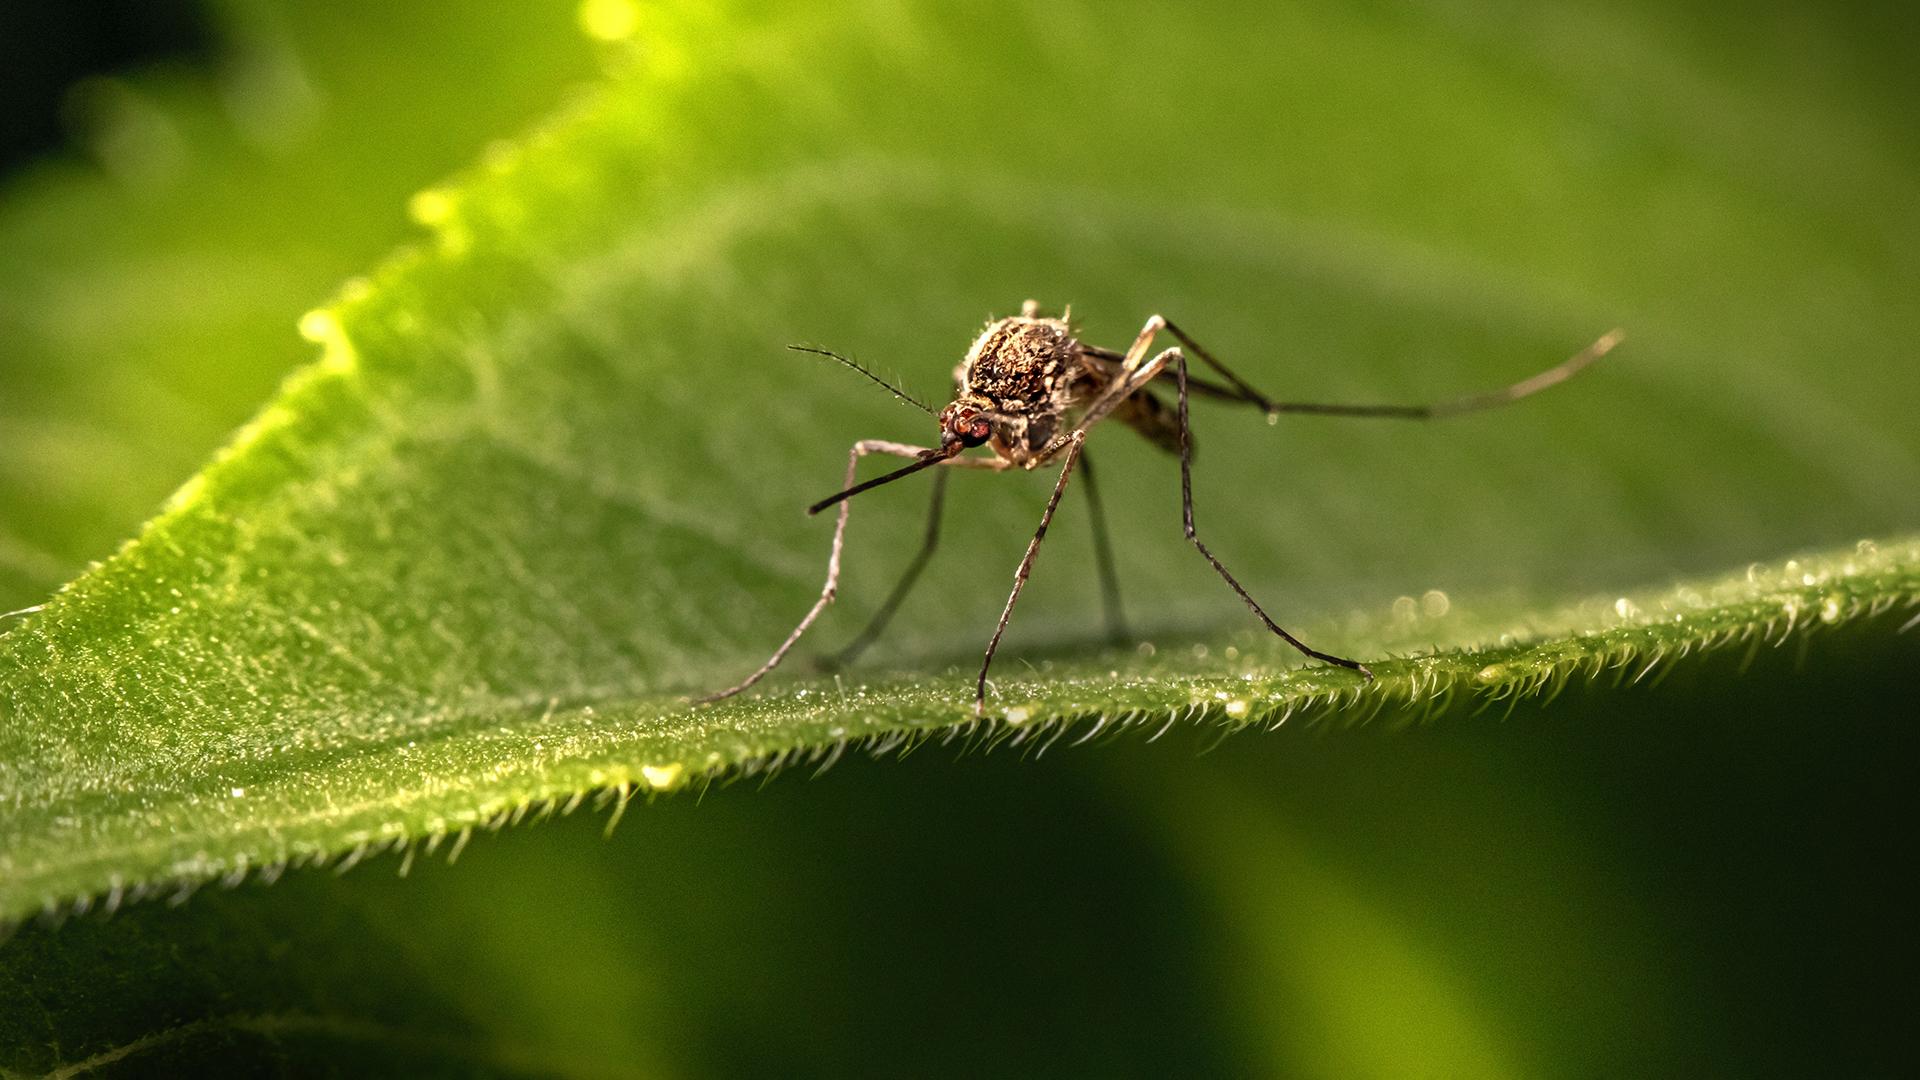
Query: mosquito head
x=965 y=422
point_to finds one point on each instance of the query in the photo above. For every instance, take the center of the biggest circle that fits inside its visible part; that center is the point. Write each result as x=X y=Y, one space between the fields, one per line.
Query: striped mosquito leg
x=1074 y=442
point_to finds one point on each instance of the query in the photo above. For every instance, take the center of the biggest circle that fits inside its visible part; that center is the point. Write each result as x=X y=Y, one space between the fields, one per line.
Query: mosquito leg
x=1137 y=352
x=860 y=450
x=1179 y=364
x=1074 y=442
x=876 y=625
x=1527 y=387
x=1103 y=555
x=1125 y=384
x=1244 y=390
x=1134 y=372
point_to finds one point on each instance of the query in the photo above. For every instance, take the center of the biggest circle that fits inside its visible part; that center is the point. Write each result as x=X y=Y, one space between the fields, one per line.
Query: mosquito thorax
x=1022 y=365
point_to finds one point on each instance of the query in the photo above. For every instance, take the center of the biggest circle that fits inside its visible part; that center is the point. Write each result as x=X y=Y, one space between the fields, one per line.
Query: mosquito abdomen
x=1152 y=418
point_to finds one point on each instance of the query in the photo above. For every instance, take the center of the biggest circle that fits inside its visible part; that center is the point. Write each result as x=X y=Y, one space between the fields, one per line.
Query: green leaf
x=544 y=480
x=151 y=274
x=1665 y=880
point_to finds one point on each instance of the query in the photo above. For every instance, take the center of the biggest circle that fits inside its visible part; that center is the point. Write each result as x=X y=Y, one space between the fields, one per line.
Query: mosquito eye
x=967 y=427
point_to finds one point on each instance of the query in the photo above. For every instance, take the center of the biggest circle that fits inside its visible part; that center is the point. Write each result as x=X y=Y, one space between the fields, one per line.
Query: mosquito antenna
x=855 y=365
x=930 y=458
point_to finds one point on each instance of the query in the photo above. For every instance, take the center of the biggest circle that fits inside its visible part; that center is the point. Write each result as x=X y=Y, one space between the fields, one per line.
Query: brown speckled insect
x=1029 y=391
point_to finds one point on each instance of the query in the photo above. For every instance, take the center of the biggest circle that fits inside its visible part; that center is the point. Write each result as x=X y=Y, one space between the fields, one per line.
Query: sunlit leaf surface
x=543 y=480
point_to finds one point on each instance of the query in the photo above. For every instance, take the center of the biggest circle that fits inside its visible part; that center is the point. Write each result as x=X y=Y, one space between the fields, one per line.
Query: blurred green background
x=1700 y=878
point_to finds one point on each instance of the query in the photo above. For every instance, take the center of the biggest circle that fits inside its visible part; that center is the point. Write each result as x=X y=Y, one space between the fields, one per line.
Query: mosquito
x=1029 y=391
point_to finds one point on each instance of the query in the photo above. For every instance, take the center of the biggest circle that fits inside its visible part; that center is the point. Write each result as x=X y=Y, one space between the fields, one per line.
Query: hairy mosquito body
x=1029 y=391
x=1024 y=375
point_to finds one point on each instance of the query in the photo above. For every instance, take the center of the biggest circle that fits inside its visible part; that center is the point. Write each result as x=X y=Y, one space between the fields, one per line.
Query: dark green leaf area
x=233 y=985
